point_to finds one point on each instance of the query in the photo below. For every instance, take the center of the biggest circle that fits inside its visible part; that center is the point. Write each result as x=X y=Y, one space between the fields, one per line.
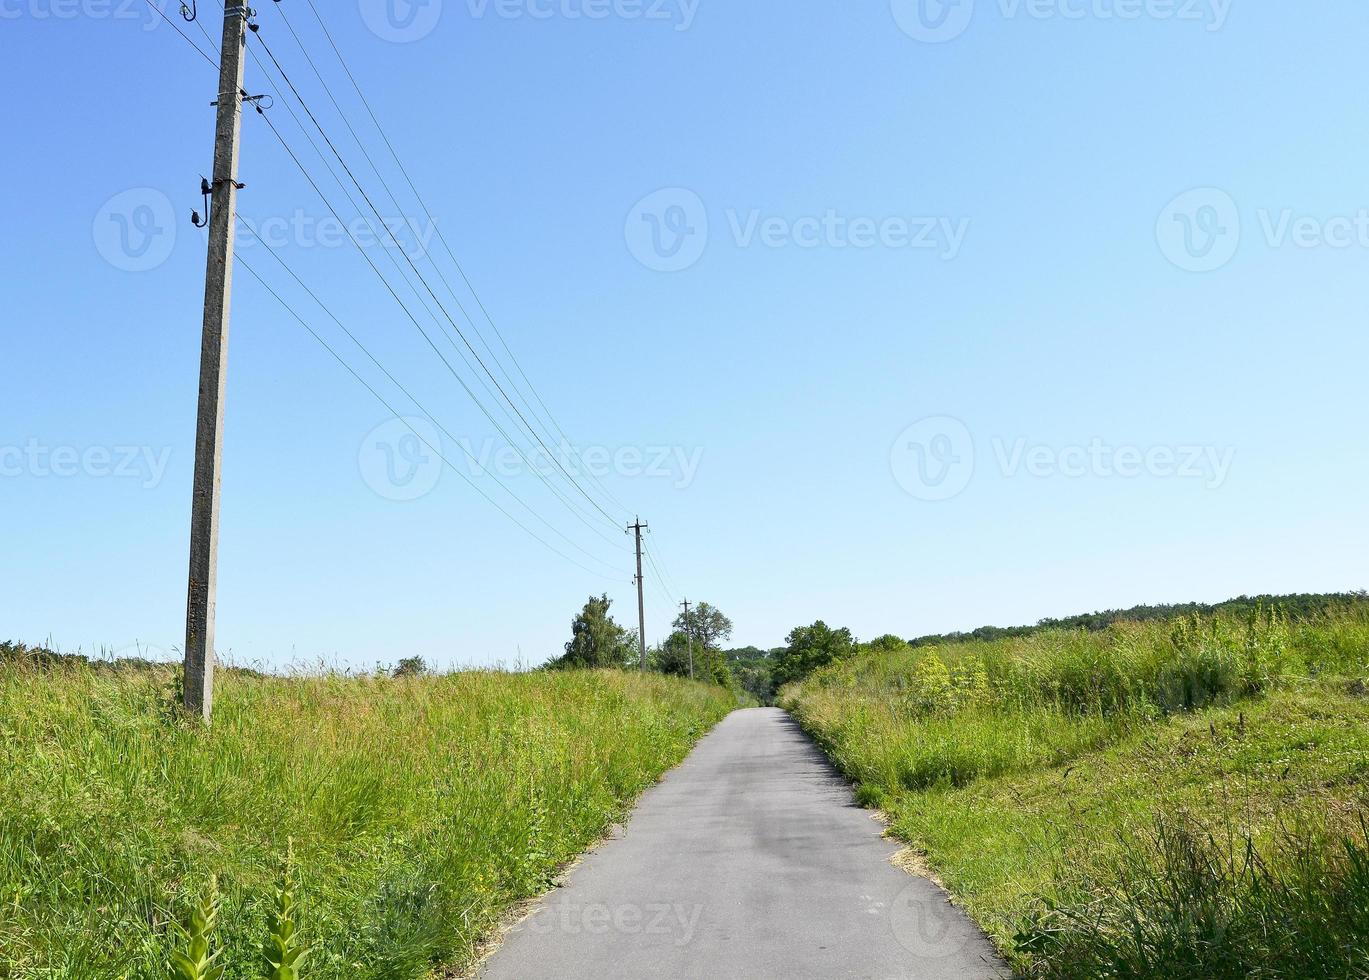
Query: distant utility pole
x=689 y=638
x=218 y=288
x=639 y=527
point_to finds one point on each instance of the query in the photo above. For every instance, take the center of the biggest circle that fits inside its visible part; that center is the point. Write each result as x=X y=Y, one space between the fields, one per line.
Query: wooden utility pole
x=218 y=288
x=641 y=603
x=689 y=638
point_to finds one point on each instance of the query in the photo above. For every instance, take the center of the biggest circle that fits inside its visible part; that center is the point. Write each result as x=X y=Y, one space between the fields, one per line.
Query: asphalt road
x=750 y=861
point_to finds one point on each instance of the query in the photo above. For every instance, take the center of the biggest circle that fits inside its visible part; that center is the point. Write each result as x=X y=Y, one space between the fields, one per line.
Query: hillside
x=1159 y=799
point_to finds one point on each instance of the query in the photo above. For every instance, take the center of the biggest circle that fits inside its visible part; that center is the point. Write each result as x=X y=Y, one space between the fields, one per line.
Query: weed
x=192 y=960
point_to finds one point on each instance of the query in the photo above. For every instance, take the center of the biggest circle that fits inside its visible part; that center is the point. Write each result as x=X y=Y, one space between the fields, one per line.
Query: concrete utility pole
x=689 y=638
x=218 y=288
x=639 y=527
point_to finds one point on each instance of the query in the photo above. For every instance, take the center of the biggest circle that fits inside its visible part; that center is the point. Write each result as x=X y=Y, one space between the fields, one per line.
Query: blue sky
x=929 y=322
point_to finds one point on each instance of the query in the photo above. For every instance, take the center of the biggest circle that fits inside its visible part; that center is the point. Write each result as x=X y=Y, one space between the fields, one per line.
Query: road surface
x=749 y=861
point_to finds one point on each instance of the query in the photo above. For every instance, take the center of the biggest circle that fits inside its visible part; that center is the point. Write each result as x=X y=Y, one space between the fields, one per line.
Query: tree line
x=597 y=641
x=697 y=639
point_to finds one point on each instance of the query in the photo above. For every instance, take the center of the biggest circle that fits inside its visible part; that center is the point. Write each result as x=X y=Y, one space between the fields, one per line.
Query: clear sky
x=942 y=316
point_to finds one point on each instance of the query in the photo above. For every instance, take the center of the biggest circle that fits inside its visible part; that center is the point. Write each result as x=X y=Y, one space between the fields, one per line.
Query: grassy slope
x=1029 y=791
x=420 y=810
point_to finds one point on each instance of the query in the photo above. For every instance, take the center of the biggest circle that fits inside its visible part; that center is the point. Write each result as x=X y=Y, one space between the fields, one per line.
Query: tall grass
x=1198 y=901
x=1151 y=801
x=949 y=715
x=420 y=809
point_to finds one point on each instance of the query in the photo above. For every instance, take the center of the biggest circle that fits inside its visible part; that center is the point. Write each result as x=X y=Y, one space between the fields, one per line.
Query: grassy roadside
x=1163 y=800
x=418 y=810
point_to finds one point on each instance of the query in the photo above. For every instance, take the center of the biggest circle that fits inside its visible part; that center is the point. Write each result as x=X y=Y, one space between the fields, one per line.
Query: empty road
x=749 y=861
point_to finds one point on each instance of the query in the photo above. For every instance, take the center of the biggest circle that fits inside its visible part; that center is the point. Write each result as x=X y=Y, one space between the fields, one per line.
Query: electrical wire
x=366 y=197
x=452 y=370
x=443 y=239
x=435 y=449
x=188 y=40
x=274 y=253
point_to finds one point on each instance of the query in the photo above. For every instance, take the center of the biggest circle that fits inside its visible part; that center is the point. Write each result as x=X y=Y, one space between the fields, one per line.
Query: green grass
x=418 y=810
x=1158 y=800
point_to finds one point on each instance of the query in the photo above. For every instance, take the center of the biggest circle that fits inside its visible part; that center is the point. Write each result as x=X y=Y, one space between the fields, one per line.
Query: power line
x=388 y=407
x=568 y=503
x=188 y=39
x=356 y=137
x=659 y=563
x=357 y=342
x=441 y=237
x=366 y=197
x=461 y=381
x=513 y=443
x=408 y=394
x=659 y=580
x=404 y=276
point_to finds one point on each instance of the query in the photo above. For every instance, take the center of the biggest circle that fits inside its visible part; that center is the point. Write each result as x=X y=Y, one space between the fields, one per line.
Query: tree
x=596 y=640
x=672 y=656
x=411 y=667
x=706 y=627
x=888 y=643
x=751 y=667
x=706 y=623
x=809 y=648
